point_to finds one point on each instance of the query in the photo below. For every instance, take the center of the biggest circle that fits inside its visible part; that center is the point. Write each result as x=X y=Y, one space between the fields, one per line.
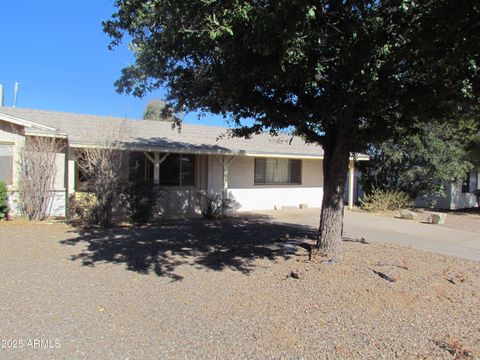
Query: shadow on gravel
x=229 y=243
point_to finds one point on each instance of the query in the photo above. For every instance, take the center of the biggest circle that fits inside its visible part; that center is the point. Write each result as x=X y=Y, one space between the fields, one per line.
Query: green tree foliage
x=343 y=74
x=418 y=164
x=473 y=150
x=157 y=110
x=3 y=200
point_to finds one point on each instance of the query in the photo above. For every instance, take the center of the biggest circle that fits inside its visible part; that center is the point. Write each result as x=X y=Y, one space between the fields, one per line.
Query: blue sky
x=58 y=53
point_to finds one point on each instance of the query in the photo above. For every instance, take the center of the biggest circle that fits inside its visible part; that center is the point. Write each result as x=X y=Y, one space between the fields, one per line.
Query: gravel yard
x=195 y=289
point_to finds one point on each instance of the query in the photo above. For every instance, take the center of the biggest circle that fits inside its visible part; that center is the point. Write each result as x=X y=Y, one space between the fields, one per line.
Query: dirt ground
x=230 y=289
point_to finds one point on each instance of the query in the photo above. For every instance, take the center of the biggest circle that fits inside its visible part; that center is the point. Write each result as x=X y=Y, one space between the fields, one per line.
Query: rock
x=438 y=218
x=408 y=214
x=289 y=248
x=295 y=275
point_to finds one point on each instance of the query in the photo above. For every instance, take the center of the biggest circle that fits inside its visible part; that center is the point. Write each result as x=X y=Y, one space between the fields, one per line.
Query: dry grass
x=456 y=347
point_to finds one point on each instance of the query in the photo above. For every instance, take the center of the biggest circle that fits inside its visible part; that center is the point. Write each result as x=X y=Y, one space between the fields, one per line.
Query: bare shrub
x=140 y=200
x=103 y=168
x=37 y=175
x=385 y=200
x=213 y=206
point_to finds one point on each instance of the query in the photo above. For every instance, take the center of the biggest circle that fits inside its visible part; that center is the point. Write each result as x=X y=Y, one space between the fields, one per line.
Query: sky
x=57 y=52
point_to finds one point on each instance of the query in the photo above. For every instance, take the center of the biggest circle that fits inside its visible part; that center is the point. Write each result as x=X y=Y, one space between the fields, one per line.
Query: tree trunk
x=335 y=168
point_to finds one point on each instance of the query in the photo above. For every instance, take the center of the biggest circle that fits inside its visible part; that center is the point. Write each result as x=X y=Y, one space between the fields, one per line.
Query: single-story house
x=263 y=172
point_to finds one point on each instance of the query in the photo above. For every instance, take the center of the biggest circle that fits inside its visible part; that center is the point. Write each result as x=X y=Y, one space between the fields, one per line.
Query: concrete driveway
x=461 y=243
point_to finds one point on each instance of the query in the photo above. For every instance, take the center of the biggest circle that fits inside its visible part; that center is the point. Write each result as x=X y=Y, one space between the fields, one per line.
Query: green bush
x=3 y=200
x=385 y=200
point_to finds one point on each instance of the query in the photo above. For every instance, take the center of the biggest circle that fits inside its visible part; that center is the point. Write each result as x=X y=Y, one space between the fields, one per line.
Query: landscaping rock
x=438 y=219
x=295 y=275
x=289 y=248
x=408 y=215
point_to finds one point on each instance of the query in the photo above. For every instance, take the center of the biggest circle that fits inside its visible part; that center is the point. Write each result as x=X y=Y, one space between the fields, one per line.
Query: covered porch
x=256 y=182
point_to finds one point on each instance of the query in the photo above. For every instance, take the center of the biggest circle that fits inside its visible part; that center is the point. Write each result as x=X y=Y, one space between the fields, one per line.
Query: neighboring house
x=263 y=172
x=457 y=196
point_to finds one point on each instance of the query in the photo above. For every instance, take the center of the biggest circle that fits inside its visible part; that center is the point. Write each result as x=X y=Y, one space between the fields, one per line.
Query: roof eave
x=23 y=122
x=77 y=145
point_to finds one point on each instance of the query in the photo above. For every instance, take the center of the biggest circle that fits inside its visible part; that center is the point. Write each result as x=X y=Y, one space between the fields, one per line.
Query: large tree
x=158 y=110
x=341 y=73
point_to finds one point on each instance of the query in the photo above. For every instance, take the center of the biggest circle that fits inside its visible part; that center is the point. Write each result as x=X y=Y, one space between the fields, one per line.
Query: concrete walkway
x=461 y=243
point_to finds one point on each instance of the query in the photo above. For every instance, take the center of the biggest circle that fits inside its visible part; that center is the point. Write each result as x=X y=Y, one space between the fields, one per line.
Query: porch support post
x=351 y=176
x=156 y=168
x=225 y=163
x=156 y=160
x=225 y=177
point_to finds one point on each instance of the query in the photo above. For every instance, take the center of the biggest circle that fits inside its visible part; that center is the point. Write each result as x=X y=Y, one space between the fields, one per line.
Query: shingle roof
x=90 y=130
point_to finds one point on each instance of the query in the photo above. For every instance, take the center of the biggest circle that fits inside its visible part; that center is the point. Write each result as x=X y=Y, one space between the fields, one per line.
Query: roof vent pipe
x=1 y=95
x=15 y=91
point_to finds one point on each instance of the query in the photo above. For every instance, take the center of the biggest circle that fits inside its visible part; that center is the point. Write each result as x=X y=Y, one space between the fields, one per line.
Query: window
x=470 y=183
x=140 y=166
x=6 y=163
x=474 y=184
x=277 y=171
x=178 y=170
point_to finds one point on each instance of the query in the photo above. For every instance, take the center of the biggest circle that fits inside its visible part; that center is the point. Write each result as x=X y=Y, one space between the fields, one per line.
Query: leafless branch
x=104 y=169
x=37 y=175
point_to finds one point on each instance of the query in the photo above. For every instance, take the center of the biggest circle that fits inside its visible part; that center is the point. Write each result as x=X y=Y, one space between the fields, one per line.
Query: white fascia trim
x=23 y=122
x=287 y=156
x=300 y=156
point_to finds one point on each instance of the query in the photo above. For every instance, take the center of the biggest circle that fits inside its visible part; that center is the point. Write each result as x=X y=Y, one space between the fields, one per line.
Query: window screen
x=140 y=166
x=178 y=170
x=6 y=163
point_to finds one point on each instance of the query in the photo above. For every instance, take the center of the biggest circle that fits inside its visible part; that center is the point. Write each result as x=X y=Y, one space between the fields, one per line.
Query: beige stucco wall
x=263 y=197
